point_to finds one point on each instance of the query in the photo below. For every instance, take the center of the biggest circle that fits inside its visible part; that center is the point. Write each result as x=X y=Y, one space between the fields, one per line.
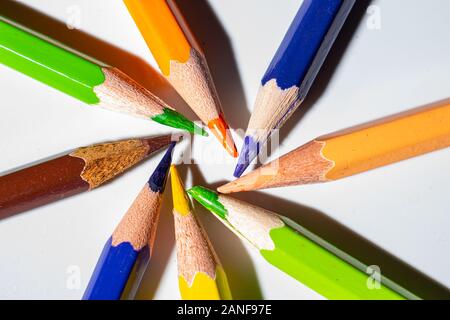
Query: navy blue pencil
x=127 y=252
x=292 y=71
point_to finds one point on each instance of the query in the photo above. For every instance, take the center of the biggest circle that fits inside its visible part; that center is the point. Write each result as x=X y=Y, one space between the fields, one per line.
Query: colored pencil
x=125 y=255
x=81 y=170
x=200 y=274
x=296 y=251
x=83 y=79
x=292 y=71
x=354 y=150
x=182 y=62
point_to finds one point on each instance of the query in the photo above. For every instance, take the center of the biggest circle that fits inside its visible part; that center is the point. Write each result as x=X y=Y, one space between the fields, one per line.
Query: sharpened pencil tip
x=226 y=188
x=157 y=181
x=221 y=130
x=179 y=198
x=156 y=143
x=249 y=151
x=174 y=119
x=209 y=199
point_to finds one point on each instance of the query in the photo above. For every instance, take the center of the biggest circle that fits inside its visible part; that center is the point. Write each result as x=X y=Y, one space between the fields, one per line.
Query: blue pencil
x=292 y=71
x=126 y=253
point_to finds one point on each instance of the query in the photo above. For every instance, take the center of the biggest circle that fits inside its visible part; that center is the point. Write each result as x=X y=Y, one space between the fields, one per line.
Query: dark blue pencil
x=126 y=253
x=292 y=71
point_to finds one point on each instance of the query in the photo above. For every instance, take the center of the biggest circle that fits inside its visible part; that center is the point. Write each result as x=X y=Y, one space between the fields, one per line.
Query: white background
x=397 y=59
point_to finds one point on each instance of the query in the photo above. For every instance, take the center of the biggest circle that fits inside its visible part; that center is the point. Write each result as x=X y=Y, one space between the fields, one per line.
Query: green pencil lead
x=209 y=199
x=177 y=120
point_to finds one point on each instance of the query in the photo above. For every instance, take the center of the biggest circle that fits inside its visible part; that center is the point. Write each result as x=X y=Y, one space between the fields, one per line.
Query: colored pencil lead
x=200 y=274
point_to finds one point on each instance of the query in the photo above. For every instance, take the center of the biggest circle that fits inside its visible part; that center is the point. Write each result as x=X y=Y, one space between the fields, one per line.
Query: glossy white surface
x=396 y=59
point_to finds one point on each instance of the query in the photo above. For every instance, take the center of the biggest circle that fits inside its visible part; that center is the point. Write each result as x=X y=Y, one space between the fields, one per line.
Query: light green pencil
x=81 y=78
x=298 y=252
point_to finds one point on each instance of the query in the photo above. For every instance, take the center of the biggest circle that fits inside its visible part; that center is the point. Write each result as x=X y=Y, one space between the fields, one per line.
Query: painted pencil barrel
x=41 y=184
x=205 y=288
x=383 y=142
x=320 y=269
x=83 y=169
x=109 y=278
x=200 y=274
x=292 y=71
x=182 y=62
x=161 y=31
x=50 y=64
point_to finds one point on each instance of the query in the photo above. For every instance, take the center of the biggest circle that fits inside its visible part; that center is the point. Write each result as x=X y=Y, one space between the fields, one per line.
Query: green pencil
x=83 y=79
x=296 y=251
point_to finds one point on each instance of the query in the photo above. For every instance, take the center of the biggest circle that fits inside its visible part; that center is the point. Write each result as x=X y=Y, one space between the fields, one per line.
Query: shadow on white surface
x=80 y=41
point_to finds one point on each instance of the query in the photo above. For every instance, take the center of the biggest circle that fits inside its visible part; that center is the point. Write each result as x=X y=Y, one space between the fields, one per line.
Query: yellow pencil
x=182 y=62
x=200 y=274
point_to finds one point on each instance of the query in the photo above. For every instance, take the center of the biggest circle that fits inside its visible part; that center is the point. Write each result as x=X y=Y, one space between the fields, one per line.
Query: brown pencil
x=81 y=170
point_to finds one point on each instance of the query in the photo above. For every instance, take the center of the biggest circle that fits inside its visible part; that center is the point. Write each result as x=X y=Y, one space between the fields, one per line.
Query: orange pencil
x=182 y=62
x=354 y=150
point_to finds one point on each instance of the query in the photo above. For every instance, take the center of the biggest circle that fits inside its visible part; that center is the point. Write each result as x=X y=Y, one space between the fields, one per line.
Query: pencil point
x=234 y=186
x=157 y=181
x=174 y=119
x=209 y=199
x=221 y=130
x=249 y=151
x=179 y=198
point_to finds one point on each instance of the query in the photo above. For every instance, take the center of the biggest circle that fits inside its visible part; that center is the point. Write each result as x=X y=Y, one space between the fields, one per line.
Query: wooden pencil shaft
x=126 y=253
x=41 y=184
x=320 y=269
x=48 y=63
x=354 y=150
x=293 y=249
x=182 y=62
x=290 y=75
x=85 y=80
x=161 y=31
x=83 y=169
x=200 y=275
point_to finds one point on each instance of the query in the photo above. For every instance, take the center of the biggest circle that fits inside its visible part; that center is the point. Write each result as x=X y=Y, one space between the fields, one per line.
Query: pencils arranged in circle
x=88 y=81
x=182 y=62
x=125 y=255
x=292 y=71
x=354 y=150
x=81 y=170
x=296 y=251
x=200 y=274
x=302 y=255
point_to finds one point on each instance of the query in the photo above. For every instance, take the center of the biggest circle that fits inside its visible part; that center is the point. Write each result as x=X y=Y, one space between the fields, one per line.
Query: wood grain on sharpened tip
x=297 y=251
x=354 y=150
x=200 y=274
x=127 y=252
x=182 y=62
x=292 y=71
x=81 y=170
x=83 y=79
